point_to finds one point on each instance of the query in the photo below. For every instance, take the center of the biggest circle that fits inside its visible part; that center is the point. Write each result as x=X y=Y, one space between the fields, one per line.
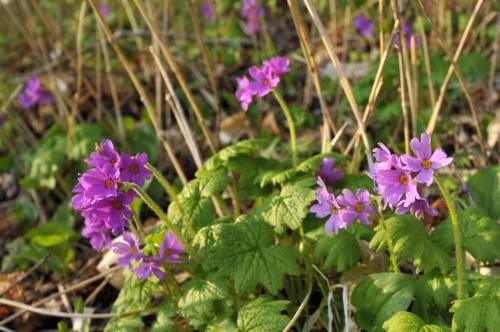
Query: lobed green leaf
x=262 y=315
x=404 y=321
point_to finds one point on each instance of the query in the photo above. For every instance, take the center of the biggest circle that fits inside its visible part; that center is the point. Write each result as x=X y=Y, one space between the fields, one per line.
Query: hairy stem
x=153 y=206
x=456 y=233
x=173 y=195
x=289 y=118
x=388 y=238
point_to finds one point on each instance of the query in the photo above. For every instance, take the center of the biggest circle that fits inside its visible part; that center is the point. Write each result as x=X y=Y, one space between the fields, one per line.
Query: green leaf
x=479 y=313
x=343 y=249
x=199 y=209
x=353 y=182
x=404 y=321
x=379 y=296
x=314 y=163
x=135 y=294
x=288 y=208
x=86 y=136
x=164 y=322
x=410 y=239
x=200 y=295
x=125 y=324
x=243 y=147
x=140 y=139
x=484 y=187
x=436 y=287
x=25 y=212
x=248 y=168
x=243 y=252
x=47 y=160
x=262 y=315
x=479 y=234
x=213 y=182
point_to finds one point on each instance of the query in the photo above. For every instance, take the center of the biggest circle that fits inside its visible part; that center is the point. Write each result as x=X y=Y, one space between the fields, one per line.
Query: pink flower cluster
x=34 y=94
x=252 y=12
x=130 y=251
x=344 y=209
x=97 y=194
x=395 y=176
x=266 y=78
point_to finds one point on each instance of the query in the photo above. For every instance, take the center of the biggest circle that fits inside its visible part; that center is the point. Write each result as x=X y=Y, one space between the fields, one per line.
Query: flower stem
x=236 y=197
x=289 y=118
x=456 y=233
x=173 y=195
x=388 y=238
x=153 y=206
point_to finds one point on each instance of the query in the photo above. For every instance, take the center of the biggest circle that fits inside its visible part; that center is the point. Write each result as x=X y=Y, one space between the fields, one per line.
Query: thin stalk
x=289 y=118
x=153 y=206
x=222 y=204
x=173 y=195
x=236 y=197
x=456 y=233
x=389 y=240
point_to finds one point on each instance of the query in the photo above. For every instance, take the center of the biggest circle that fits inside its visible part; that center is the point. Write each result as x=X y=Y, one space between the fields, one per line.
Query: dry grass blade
x=343 y=80
x=178 y=74
x=461 y=79
x=444 y=86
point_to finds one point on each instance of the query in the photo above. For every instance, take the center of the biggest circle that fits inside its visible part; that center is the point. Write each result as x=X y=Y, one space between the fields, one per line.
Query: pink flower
x=265 y=80
x=170 y=248
x=358 y=207
x=328 y=174
x=99 y=183
x=363 y=25
x=208 y=10
x=129 y=250
x=392 y=184
x=34 y=94
x=327 y=205
x=425 y=163
x=146 y=268
x=133 y=169
x=278 y=65
x=104 y=154
x=244 y=94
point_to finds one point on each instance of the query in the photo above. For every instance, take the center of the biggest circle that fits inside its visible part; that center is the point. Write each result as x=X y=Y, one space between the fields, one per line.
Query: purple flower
x=327 y=173
x=327 y=205
x=146 y=268
x=132 y=169
x=278 y=65
x=418 y=205
x=113 y=210
x=129 y=250
x=34 y=94
x=265 y=80
x=407 y=30
x=363 y=25
x=79 y=201
x=170 y=248
x=251 y=12
x=384 y=158
x=97 y=238
x=425 y=163
x=358 y=207
x=392 y=184
x=231 y=175
x=208 y=10
x=100 y=183
x=104 y=154
x=105 y=10
x=244 y=94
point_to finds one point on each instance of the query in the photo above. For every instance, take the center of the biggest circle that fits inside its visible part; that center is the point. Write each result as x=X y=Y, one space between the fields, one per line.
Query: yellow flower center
x=359 y=207
x=426 y=164
x=134 y=169
x=167 y=251
x=403 y=178
x=266 y=82
x=133 y=251
x=335 y=210
x=109 y=183
x=113 y=161
x=116 y=204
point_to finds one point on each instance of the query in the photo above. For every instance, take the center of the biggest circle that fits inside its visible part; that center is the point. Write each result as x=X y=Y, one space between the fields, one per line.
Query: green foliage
x=243 y=252
x=314 y=163
x=379 y=296
x=404 y=321
x=480 y=312
x=164 y=322
x=86 y=135
x=353 y=182
x=410 y=239
x=125 y=324
x=478 y=233
x=290 y=207
x=484 y=187
x=135 y=294
x=244 y=147
x=343 y=249
x=25 y=212
x=199 y=297
x=262 y=315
